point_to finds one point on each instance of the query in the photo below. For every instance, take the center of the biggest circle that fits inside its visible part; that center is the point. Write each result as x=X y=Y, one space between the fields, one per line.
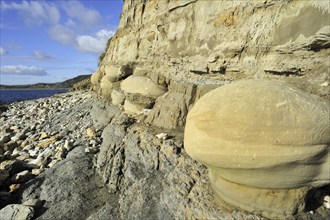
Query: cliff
x=167 y=54
x=261 y=145
x=191 y=47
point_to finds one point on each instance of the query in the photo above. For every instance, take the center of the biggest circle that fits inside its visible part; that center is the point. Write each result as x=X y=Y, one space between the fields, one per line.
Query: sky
x=53 y=40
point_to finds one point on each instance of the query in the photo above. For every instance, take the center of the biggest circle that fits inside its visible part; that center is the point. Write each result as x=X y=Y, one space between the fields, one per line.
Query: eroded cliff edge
x=162 y=59
x=191 y=47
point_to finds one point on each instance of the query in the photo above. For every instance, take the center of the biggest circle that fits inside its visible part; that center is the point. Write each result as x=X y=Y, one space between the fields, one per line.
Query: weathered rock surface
x=142 y=85
x=117 y=97
x=187 y=47
x=190 y=47
x=153 y=178
x=69 y=190
x=48 y=130
x=16 y=212
x=261 y=138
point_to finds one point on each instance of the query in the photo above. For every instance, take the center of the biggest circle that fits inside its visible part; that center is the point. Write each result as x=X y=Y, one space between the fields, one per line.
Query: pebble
x=21 y=177
x=326 y=201
x=161 y=136
x=37 y=134
x=14 y=187
x=91 y=150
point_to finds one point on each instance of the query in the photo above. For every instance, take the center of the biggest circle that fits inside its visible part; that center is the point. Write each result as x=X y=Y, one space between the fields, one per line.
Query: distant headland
x=65 y=84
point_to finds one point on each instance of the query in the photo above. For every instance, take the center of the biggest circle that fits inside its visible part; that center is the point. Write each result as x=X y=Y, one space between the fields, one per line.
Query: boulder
x=17 y=212
x=114 y=73
x=106 y=86
x=12 y=166
x=131 y=108
x=96 y=77
x=142 y=85
x=117 y=97
x=4 y=174
x=21 y=177
x=266 y=144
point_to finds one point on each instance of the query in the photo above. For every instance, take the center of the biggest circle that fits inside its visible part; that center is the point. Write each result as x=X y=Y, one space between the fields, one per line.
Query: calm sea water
x=13 y=95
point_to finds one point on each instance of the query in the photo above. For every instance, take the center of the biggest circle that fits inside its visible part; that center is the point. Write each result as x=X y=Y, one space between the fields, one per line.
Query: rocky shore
x=75 y=156
x=34 y=136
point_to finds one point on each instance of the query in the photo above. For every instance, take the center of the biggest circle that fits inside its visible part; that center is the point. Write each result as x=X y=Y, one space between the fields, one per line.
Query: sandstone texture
x=134 y=165
x=189 y=47
x=260 y=138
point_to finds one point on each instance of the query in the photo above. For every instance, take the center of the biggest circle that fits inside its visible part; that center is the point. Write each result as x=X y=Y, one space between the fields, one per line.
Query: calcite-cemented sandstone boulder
x=106 y=86
x=96 y=77
x=117 y=97
x=132 y=108
x=115 y=74
x=266 y=144
x=142 y=85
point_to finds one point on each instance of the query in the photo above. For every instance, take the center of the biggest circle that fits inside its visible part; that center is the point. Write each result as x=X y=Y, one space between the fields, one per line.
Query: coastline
x=75 y=156
x=37 y=134
x=34 y=88
x=8 y=96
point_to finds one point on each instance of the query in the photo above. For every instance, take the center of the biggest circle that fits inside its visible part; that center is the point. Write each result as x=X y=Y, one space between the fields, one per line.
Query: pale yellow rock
x=106 y=86
x=96 y=77
x=142 y=85
x=43 y=135
x=46 y=142
x=258 y=137
x=115 y=73
x=131 y=108
x=112 y=73
x=90 y=133
x=117 y=97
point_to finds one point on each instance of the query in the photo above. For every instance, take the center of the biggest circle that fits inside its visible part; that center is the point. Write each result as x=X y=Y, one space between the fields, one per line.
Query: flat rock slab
x=16 y=212
x=70 y=189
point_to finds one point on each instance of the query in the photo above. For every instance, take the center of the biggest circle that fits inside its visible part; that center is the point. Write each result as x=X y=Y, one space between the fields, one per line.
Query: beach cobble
x=36 y=134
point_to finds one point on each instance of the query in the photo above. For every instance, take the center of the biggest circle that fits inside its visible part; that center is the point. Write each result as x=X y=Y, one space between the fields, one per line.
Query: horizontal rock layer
x=193 y=46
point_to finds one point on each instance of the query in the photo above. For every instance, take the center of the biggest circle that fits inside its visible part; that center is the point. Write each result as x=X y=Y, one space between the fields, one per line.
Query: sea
x=14 y=95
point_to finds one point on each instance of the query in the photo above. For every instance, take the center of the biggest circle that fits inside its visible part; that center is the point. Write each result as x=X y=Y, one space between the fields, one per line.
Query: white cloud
x=42 y=56
x=3 y=51
x=22 y=70
x=70 y=23
x=34 y=12
x=94 y=43
x=63 y=35
x=76 y=10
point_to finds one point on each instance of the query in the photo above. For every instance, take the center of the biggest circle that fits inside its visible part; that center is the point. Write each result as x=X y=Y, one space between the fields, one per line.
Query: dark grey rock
x=70 y=189
x=4 y=174
x=21 y=177
x=12 y=166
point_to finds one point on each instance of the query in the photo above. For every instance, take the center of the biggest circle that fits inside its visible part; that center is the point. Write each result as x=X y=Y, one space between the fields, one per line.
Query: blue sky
x=53 y=40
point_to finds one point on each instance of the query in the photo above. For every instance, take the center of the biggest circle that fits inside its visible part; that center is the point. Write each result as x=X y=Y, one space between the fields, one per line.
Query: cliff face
x=193 y=46
x=167 y=54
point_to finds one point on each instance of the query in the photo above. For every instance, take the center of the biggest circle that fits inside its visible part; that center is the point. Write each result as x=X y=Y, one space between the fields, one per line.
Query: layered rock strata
x=190 y=47
x=266 y=145
x=187 y=48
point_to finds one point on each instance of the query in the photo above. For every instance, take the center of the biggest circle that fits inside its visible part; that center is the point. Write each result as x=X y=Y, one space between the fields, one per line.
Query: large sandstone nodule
x=106 y=86
x=266 y=144
x=96 y=77
x=142 y=85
